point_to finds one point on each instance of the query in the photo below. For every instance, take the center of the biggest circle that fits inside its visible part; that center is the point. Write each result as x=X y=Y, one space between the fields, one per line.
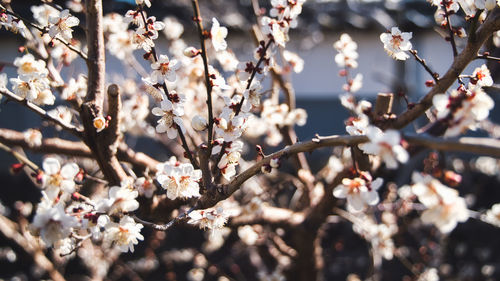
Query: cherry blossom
x=145 y=187
x=218 y=35
x=52 y=222
x=492 y=216
x=229 y=159
x=27 y=65
x=170 y=118
x=482 y=76
x=180 y=181
x=33 y=137
x=397 y=43
x=62 y=25
x=462 y=109
x=386 y=145
x=57 y=178
x=124 y=234
x=347 y=49
x=212 y=219
x=121 y=199
x=33 y=88
x=445 y=209
x=164 y=69
x=359 y=191
x=143 y=2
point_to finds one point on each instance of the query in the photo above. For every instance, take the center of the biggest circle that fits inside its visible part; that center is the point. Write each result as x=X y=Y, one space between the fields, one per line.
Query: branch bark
x=491 y=24
x=102 y=144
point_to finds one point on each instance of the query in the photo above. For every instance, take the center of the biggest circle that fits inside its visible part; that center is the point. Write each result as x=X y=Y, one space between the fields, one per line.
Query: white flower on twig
x=397 y=43
x=62 y=24
x=360 y=191
x=386 y=145
x=218 y=34
x=125 y=234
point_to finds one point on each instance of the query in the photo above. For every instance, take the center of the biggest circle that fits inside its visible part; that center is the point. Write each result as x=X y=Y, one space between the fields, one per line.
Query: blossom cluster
x=64 y=214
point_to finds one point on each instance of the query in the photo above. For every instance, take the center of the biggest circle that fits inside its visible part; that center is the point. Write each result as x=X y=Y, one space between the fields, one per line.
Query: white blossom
x=174 y=28
x=62 y=25
x=52 y=222
x=170 y=118
x=33 y=137
x=386 y=145
x=57 y=178
x=143 y=2
x=397 y=43
x=218 y=35
x=145 y=187
x=347 y=49
x=164 y=69
x=492 y=216
x=210 y=218
x=125 y=234
x=359 y=192
x=121 y=199
x=180 y=181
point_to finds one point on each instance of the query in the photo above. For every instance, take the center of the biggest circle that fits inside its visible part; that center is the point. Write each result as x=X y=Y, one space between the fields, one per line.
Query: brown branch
x=468 y=145
x=422 y=62
x=20 y=157
x=450 y=30
x=45 y=30
x=41 y=112
x=27 y=244
x=208 y=84
x=274 y=216
x=188 y=152
x=100 y=143
x=479 y=146
x=50 y=145
x=491 y=24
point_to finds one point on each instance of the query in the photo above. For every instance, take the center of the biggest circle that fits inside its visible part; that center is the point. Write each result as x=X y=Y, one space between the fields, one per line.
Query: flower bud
x=191 y=52
x=199 y=123
x=99 y=123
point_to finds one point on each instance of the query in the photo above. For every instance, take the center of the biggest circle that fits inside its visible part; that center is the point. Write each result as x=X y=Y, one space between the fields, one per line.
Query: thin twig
x=487 y=57
x=20 y=157
x=41 y=112
x=208 y=84
x=433 y=74
x=450 y=30
x=45 y=30
x=164 y=86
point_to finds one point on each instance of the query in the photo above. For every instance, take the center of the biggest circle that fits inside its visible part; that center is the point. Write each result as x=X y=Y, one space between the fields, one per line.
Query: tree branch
x=491 y=24
x=42 y=113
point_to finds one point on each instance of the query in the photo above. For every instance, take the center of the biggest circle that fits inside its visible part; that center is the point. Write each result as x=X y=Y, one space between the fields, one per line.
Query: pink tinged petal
x=170 y=75
x=356 y=202
x=401 y=154
x=68 y=186
x=72 y=21
x=161 y=128
x=166 y=105
x=157 y=111
x=370 y=197
x=51 y=166
x=171 y=132
x=69 y=171
x=340 y=191
x=377 y=183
